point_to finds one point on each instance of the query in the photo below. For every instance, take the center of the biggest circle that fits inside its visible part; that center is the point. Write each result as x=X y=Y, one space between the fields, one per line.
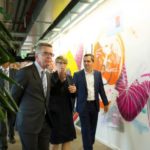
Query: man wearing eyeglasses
x=33 y=121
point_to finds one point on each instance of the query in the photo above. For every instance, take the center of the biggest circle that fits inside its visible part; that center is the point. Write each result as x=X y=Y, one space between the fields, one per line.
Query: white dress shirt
x=90 y=85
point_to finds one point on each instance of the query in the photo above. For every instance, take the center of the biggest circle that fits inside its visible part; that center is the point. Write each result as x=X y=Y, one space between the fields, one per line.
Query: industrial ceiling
x=32 y=20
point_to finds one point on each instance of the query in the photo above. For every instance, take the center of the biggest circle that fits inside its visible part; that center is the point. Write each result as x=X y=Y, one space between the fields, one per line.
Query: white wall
x=134 y=30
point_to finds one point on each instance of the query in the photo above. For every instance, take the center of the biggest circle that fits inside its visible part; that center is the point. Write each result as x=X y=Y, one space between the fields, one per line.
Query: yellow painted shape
x=57 y=7
x=72 y=65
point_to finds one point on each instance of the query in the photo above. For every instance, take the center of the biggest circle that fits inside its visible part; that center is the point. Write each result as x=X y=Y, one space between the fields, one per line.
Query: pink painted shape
x=131 y=100
x=79 y=55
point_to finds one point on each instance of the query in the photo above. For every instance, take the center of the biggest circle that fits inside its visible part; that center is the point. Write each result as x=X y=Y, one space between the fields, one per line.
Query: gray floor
x=76 y=144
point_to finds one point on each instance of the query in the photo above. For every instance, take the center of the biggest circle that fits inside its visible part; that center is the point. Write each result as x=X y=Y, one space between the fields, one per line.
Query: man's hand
x=72 y=88
x=106 y=108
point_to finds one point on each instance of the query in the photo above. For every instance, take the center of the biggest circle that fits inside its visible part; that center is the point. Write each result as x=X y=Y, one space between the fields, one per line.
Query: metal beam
x=17 y=34
x=45 y=22
x=60 y=17
x=35 y=13
x=16 y=12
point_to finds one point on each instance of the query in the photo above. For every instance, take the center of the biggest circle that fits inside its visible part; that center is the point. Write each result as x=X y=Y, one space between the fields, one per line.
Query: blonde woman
x=61 y=106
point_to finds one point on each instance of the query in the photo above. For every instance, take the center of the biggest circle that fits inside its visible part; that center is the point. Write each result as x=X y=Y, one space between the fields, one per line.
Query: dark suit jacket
x=1 y=80
x=12 y=73
x=80 y=82
x=31 y=100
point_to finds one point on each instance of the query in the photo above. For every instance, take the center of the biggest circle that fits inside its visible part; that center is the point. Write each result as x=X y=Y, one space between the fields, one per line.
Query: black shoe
x=12 y=140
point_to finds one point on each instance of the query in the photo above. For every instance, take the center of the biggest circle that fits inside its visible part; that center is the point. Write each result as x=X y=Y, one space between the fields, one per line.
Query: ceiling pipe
x=22 y=14
x=34 y=11
x=6 y=5
x=15 y=18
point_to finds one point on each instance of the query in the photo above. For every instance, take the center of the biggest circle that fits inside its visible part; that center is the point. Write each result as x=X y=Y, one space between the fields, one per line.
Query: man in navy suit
x=89 y=85
x=32 y=119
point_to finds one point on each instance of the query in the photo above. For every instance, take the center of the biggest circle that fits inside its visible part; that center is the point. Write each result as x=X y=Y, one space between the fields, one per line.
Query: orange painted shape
x=109 y=58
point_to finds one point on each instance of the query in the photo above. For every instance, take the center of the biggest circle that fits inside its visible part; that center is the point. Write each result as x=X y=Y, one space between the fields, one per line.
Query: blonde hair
x=62 y=59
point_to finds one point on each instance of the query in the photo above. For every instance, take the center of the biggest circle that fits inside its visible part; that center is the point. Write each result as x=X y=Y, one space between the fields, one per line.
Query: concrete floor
x=76 y=144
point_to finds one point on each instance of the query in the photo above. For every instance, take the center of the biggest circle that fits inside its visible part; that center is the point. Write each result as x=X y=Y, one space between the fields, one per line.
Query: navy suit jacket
x=82 y=93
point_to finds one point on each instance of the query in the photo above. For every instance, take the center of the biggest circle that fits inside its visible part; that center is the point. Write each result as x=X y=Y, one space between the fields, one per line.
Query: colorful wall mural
x=119 y=39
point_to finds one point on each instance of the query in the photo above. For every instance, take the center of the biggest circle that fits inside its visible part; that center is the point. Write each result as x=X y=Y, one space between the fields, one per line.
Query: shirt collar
x=88 y=72
x=39 y=68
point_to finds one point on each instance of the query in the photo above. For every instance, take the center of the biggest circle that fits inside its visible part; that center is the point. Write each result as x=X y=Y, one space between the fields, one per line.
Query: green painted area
x=144 y=110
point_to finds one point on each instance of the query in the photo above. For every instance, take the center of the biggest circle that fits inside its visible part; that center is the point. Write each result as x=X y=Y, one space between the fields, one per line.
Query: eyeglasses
x=47 y=54
x=61 y=63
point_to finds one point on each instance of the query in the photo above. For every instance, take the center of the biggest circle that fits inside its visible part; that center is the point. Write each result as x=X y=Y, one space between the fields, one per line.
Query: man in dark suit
x=89 y=85
x=33 y=121
x=11 y=117
x=3 y=127
x=10 y=71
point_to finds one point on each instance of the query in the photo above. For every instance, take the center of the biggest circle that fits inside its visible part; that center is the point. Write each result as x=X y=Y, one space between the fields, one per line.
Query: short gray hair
x=37 y=48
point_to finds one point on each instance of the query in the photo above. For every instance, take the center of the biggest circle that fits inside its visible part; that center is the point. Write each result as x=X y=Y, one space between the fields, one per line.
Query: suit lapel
x=84 y=79
x=37 y=77
x=36 y=73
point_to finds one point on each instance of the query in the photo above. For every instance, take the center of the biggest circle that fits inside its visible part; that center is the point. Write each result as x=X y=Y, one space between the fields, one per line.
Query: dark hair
x=91 y=55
